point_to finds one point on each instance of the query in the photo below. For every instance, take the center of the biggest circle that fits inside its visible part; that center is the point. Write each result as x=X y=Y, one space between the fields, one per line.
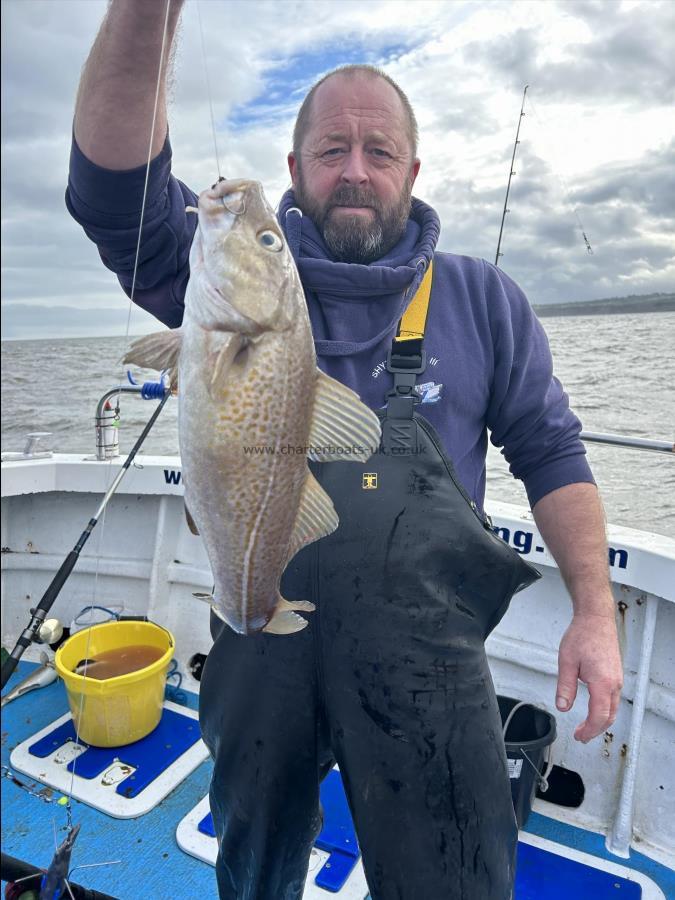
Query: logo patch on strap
x=369 y=482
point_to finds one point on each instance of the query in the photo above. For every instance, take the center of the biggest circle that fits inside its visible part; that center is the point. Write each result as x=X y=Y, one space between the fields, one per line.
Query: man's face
x=355 y=173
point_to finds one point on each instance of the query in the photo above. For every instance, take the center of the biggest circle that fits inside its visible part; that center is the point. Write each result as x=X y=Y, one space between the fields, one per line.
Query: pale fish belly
x=245 y=469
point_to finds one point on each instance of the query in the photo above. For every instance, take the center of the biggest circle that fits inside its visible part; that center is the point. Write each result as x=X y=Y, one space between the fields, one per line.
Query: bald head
x=397 y=100
x=354 y=163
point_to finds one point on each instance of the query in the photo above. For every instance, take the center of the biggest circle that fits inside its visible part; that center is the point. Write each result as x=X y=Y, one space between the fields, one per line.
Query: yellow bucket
x=115 y=711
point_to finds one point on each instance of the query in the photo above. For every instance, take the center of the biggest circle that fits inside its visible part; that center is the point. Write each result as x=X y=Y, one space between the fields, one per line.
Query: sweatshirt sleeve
x=529 y=414
x=107 y=204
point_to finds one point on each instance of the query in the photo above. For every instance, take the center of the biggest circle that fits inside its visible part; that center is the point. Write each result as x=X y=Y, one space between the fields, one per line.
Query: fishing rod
x=511 y=174
x=16 y=871
x=39 y=614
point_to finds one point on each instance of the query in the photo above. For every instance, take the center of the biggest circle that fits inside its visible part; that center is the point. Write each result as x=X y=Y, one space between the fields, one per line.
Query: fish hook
x=235 y=212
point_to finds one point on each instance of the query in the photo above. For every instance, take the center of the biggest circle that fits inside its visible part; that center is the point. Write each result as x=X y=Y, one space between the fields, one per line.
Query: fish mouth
x=232 y=194
x=226 y=196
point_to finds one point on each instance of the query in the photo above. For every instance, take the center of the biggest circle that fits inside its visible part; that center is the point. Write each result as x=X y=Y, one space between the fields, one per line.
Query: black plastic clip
x=410 y=364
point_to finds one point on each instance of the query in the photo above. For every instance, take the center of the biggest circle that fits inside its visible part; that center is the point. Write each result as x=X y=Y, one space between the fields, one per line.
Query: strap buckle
x=405 y=367
x=405 y=363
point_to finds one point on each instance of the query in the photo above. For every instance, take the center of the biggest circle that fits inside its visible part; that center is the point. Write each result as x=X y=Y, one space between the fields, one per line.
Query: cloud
x=646 y=186
x=623 y=58
x=596 y=151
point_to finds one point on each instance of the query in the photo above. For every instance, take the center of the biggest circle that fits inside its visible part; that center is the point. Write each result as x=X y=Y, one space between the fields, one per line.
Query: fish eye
x=270 y=240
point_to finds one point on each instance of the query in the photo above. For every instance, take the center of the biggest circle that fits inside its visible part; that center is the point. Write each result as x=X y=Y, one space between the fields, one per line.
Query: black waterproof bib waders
x=390 y=679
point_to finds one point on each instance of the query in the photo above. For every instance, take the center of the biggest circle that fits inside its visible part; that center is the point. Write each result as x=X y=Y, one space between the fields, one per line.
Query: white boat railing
x=621 y=440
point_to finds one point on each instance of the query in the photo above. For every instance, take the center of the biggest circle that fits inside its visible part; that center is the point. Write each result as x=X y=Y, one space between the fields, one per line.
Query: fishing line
x=126 y=340
x=208 y=91
x=147 y=167
x=561 y=180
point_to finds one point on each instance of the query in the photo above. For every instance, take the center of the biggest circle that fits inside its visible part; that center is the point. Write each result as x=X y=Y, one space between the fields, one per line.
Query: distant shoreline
x=646 y=303
x=663 y=303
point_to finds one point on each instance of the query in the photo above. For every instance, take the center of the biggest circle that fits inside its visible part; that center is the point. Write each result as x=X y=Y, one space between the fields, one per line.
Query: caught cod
x=252 y=408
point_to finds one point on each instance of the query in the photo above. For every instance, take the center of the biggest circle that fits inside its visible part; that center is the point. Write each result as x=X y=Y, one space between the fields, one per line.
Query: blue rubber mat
x=147 y=845
x=541 y=875
x=337 y=835
x=150 y=756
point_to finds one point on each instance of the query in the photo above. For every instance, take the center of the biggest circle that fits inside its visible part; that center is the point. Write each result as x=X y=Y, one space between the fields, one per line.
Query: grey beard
x=356 y=241
x=352 y=239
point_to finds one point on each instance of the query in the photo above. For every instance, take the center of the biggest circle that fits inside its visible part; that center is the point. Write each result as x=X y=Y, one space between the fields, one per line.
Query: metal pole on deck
x=39 y=614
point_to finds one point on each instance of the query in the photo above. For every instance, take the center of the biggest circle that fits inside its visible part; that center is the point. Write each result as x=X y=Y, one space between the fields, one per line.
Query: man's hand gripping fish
x=251 y=402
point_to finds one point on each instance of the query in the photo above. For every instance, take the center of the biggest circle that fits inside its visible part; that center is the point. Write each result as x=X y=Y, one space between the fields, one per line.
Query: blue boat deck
x=152 y=865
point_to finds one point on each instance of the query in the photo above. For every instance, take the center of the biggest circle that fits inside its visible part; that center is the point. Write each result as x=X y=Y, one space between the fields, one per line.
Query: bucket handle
x=169 y=635
x=542 y=779
x=121 y=618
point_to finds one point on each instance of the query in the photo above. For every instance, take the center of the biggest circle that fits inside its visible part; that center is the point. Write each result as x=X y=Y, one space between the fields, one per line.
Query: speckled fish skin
x=250 y=395
x=244 y=505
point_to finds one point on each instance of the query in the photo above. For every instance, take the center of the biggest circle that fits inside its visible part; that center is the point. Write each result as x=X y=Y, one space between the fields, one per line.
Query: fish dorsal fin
x=316 y=516
x=343 y=429
x=157 y=351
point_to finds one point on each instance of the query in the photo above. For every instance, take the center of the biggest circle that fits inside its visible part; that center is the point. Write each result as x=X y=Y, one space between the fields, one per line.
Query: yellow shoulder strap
x=411 y=326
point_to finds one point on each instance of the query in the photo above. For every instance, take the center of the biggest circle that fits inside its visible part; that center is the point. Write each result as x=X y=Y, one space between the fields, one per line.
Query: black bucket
x=529 y=732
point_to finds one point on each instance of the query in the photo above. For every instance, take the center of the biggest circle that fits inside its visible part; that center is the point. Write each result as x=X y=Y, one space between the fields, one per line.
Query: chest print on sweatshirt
x=427 y=391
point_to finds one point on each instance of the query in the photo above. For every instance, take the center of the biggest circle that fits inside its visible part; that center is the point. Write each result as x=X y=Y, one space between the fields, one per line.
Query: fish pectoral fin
x=157 y=351
x=284 y=620
x=190 y=521
x=223 y=354
x=316 y=516
x=341 y=422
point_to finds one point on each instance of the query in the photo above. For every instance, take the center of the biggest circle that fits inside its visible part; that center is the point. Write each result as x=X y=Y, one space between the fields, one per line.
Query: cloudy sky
x=597 y=151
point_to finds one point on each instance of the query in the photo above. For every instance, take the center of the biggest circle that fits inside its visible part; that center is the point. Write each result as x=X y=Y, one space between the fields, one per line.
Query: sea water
x=619 y=372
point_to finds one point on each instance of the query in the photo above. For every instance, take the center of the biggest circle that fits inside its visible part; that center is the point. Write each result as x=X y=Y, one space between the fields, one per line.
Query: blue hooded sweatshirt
x=488 y=361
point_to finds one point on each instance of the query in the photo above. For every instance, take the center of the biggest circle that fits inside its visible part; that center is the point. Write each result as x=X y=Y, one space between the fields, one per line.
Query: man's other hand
x=589 y=652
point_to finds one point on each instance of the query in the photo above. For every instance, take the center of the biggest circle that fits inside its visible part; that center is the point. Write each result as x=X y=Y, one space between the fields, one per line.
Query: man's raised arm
x=107 y=175
x=113 y=112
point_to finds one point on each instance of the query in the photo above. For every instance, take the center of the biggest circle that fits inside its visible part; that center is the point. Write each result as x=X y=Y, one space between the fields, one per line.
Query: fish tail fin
x=285 y=620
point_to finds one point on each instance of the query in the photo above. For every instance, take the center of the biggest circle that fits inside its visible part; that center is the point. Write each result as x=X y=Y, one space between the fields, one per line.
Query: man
x=390 y=678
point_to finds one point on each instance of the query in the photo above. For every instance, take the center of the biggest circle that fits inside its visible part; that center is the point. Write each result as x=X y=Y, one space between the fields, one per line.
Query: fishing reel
x=50 y=632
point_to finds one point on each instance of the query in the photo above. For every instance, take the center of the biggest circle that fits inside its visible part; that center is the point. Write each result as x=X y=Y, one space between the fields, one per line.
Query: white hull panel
x=143 y=557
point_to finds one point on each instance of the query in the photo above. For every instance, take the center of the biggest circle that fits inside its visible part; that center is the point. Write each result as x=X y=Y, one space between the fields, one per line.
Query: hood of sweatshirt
x=353 y=307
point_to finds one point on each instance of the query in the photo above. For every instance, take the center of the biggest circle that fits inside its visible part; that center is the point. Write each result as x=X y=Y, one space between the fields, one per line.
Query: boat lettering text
x=524 y=542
